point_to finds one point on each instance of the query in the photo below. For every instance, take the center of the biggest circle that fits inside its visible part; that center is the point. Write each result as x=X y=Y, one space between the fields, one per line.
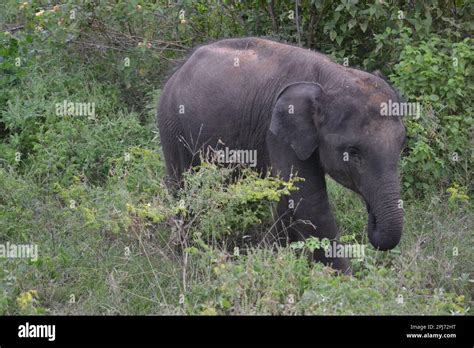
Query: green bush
x=76 y=146
x=220 y=206
x=437 y=74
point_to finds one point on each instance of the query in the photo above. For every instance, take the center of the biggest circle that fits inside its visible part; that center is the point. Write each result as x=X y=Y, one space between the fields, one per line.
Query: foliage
x=220 y=204
x=89 y=191
x=440 y=138
x=287 y=285
x=133 y=48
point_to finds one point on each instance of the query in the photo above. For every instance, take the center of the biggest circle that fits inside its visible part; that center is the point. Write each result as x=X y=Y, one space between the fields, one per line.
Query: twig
x=271 y=11
x=97 y=45
x=298 y=22
x=11 y=30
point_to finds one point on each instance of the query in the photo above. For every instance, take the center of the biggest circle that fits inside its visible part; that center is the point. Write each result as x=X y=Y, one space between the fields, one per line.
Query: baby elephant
x=301 y=113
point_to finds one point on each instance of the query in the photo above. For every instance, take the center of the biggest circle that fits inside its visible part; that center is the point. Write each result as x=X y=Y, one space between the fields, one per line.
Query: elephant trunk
x=385 y=216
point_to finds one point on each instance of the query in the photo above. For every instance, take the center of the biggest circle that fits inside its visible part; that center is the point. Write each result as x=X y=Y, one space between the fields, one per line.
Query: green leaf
x=352 y=23
x=297 y=245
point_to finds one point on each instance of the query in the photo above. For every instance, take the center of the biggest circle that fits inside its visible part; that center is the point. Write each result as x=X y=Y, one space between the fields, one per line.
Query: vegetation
x=89 y=190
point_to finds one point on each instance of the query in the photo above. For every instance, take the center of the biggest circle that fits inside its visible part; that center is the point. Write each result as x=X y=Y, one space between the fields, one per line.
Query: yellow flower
x=26 y=299
x=39 y=14
x=208 y=310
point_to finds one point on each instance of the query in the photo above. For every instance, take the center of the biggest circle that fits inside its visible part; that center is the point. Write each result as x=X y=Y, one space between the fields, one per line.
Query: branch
x=298 y=22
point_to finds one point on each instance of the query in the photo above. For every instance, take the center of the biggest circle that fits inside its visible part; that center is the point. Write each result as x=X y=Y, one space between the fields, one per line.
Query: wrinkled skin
x=336 y=113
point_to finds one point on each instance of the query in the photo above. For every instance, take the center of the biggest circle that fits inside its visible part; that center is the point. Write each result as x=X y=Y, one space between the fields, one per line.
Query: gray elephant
x=302 y=113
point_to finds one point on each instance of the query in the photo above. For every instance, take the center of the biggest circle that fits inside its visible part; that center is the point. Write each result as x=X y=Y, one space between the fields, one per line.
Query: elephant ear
x=379 y=74
x=292 y=117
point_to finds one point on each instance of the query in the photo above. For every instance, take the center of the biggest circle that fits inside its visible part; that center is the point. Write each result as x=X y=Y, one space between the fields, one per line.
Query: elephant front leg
x=311 y=216
x=306 y=212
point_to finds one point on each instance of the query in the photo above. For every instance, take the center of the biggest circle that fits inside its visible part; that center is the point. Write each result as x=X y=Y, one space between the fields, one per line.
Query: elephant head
x=356 y=146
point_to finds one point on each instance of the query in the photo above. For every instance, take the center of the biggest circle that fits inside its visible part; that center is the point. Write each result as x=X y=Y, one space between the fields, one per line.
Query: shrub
x=436 y=73
x=219 y=205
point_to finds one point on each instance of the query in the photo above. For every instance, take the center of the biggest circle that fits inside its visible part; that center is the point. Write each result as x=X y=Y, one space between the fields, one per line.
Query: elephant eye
x=353 y=151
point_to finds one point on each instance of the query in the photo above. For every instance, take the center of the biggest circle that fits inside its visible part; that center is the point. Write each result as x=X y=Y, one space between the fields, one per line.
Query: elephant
x=303 y=114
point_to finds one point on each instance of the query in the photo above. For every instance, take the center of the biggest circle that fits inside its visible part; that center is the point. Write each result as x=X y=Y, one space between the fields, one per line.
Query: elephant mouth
x=372 y=223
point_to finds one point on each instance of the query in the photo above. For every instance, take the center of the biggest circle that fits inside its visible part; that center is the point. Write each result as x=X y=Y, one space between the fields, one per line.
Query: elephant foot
x=340 y=264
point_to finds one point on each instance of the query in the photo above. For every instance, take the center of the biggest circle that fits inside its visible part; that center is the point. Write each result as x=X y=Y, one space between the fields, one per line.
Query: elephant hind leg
x=180 y=162
x=178 y=156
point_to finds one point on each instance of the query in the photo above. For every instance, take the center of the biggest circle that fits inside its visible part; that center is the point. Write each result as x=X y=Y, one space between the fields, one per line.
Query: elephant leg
x=178 y=157
x=310 y=215
x=178 y=161
x=306 y=212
